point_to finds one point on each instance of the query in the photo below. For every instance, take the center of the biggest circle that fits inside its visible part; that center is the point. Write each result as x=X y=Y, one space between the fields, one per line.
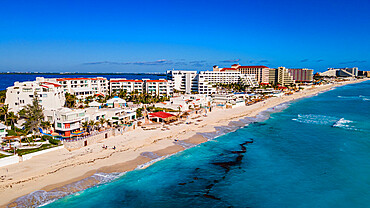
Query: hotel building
x=184 y=81
x=50 y=95
x=206 y=80
x=81 y=87
x=281 y=76
x=117 y=85
x=261 y=72
x=340 y=72
x=159 y=87
x=67 y=120
x=302 y=75
x=203 y=81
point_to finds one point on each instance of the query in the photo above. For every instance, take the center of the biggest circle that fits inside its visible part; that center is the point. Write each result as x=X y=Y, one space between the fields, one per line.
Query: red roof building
x=125 y=80
x=252 y=67
x=161 y=116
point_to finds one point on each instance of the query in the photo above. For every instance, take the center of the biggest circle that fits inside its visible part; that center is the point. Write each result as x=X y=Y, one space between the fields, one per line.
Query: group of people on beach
x=106 y=147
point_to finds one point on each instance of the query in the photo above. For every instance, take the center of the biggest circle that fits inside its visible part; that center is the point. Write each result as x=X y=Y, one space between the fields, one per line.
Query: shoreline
x=62 y=168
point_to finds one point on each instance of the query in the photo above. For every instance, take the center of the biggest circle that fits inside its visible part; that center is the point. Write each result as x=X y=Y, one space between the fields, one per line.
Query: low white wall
x=9 y=160
x=29 y=156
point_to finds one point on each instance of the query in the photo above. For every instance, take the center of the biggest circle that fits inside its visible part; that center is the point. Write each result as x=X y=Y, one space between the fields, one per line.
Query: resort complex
x=72 y=115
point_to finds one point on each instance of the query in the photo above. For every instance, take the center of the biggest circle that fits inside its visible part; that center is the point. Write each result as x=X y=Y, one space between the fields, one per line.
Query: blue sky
x=153 y=36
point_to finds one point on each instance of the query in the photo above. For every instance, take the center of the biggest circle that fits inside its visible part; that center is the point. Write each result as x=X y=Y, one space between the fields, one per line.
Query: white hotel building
x=203 y=81
x=126 y=84
x=81 y=87
x=51 y=95
x=159 y=87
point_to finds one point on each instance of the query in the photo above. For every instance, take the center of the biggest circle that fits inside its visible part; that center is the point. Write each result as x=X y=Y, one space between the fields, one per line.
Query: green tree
x=88 y=100
x=2 y=96
x=139 y=112
x=4 y=111
x=12 y=118
x=85 y=125
x=102 y=121
x=92 y=124
x=45 y=125
x=71 y=100
x=33 y=115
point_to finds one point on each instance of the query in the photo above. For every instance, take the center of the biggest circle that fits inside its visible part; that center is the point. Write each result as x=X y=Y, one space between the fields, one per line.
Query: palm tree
x=109 y=122
x=2 y=96
x=33 y=115
x=85 y=125
x=45 y=125
x=102 y=121
x=88 y=99
x=71 y=100
x=92 y=125
x=4 y=112
x=12 y=117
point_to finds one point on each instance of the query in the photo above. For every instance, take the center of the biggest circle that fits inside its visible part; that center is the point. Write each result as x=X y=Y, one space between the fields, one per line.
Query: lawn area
x=28 y=151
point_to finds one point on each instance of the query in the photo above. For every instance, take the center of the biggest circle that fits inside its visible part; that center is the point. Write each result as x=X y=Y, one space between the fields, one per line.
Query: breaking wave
x=41 y=197
x=345 y=124
x=360 y=97
x=326 y=120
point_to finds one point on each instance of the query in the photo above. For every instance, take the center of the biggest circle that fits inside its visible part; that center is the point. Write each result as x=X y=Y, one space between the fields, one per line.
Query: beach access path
x=58 y=168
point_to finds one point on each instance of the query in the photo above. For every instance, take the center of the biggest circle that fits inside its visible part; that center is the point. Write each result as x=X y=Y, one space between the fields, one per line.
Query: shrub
x=54 y=141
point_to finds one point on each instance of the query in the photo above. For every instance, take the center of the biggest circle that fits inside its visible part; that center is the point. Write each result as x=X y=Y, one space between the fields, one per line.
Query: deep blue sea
x=8 y=80
x=315 y=152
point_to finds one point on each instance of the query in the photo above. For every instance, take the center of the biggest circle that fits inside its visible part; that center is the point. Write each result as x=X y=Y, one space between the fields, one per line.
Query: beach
x=55 y=170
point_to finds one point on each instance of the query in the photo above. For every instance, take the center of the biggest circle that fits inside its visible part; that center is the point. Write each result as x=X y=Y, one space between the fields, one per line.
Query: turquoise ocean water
x=314 y=152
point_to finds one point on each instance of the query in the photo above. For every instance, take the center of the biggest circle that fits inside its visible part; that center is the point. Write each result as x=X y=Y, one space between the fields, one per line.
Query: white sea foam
x=326 y=120
x=316 y=119
x=360 y=97
x=42 y=198
x=345 y=124
x=147 y=164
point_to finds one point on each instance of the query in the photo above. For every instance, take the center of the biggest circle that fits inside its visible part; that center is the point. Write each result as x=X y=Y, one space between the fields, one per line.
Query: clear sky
x=153 y=36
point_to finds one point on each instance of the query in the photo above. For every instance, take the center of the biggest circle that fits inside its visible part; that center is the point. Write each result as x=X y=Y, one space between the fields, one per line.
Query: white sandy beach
x=55 y=169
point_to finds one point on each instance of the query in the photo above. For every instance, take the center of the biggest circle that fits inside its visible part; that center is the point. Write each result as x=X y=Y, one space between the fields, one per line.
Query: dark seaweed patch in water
x=225 y=165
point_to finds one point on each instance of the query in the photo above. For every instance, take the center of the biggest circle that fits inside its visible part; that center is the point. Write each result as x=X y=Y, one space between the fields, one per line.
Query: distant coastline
x=84 y=73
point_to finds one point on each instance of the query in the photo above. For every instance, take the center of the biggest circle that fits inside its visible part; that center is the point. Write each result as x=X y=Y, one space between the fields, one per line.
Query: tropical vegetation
x=71 y=100
x=137 y=98
x=237 y=87
x=33 y=115
x=2 y=96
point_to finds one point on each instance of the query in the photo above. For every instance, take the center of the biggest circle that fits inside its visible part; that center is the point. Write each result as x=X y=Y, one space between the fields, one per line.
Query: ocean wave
x=326 y=120
x=147 y=164
x=360 y=97
x=42 y=198
x=343 y=123
x=316 y=119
